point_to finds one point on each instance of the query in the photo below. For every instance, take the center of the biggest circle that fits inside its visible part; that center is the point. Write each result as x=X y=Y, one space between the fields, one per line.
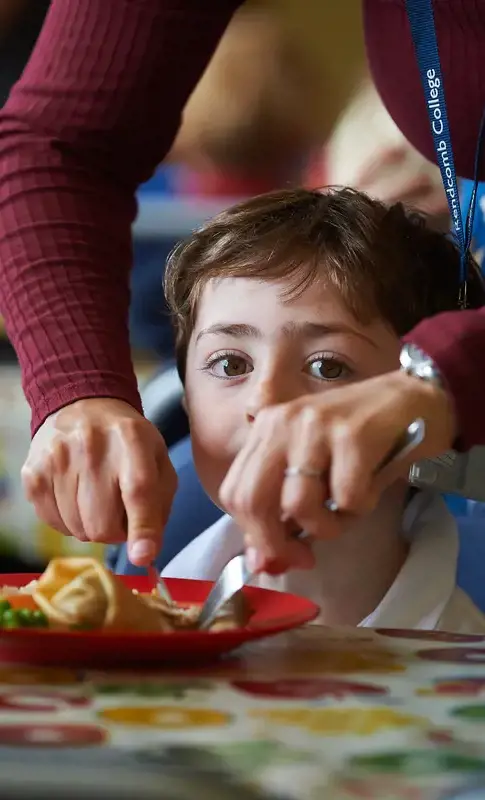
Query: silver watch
x=448 y=472
x=416 y=363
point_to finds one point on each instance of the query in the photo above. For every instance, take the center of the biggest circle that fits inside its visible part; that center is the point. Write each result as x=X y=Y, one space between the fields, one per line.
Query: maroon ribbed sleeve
x=95 y=112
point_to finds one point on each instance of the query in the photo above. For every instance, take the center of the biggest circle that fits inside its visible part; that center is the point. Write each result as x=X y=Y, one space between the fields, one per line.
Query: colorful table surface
x=318 y=713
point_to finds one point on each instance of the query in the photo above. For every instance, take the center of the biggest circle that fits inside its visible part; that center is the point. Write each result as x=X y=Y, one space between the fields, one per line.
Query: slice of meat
x=234 y=615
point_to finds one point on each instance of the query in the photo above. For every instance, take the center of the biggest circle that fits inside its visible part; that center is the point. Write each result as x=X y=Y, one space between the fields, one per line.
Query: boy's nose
x=267 y=393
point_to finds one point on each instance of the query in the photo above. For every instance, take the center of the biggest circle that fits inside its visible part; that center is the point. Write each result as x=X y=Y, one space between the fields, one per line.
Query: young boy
x=297 y=292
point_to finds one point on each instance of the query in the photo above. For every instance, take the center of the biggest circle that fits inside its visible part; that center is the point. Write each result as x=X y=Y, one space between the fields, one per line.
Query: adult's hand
x=343 y=434
x=99 y=471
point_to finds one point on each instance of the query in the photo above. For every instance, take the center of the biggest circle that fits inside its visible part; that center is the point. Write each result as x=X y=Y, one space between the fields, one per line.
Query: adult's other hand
x=99 y=471
x=341 y=435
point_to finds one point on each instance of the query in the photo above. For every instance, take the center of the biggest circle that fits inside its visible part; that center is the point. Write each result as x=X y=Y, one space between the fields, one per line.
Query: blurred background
x=285 y=100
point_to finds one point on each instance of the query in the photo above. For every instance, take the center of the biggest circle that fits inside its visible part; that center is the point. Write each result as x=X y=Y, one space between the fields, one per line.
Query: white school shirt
x=423 y=596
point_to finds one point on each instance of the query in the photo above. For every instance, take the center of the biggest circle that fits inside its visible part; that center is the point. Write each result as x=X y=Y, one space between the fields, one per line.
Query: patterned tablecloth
x=315 y=714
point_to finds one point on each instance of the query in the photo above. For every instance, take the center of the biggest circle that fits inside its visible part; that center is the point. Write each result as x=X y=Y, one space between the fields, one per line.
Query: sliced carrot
x=22 y=601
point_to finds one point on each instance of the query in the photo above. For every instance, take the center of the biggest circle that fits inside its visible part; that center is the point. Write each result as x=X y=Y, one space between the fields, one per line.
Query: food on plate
x=18 y=616
x=233 y=616
x=80 y=593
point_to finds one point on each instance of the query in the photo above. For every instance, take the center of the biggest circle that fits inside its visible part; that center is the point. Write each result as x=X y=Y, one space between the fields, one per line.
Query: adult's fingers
x=384 y=409
x=292 y=554
x=64 y=490
x=39 y=491
x=83 y=487
x=94 y=466
x=142 y=492
x=237 y=490
x=251 y=493
x=100 y=508
x=305 y=489
x=361 y=450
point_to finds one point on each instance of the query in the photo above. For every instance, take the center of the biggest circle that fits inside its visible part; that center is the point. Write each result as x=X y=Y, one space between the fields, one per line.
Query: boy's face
x=252 y=347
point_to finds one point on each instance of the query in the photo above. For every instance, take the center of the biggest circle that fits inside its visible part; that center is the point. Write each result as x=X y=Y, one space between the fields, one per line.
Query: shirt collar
x=427 y=579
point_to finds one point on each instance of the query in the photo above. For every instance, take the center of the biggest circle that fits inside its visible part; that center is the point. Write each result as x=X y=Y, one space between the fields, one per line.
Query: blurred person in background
x=20 y=23
x=368 y=152
x=255 y=115
x=247 y=128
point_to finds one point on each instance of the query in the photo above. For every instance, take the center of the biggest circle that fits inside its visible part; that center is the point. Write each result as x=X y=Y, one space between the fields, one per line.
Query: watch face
x=410 y=357
x=416 y=363
x=414 y=351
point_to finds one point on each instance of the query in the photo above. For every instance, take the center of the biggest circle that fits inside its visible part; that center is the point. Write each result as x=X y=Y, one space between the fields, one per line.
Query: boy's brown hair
x=383 y=260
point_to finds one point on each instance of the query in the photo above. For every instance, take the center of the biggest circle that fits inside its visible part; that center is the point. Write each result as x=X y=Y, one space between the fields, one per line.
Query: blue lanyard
x=423 y=32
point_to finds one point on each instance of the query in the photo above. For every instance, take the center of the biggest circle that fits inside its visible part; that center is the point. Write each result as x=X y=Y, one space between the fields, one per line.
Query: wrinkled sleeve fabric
x=94 y=113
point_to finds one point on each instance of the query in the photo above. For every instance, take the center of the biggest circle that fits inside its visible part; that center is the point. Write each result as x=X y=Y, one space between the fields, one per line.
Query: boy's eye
x=327 y=369
x=230 y=367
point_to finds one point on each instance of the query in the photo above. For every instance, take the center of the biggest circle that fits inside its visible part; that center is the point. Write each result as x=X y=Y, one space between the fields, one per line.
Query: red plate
x=274 y=612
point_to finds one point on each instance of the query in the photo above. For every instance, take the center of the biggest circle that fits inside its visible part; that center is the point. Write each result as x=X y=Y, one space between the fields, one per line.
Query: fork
x=236 y=574
x=159 y=584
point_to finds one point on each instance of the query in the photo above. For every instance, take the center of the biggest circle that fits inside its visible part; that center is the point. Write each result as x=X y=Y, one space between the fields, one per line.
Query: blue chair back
x=471 y=561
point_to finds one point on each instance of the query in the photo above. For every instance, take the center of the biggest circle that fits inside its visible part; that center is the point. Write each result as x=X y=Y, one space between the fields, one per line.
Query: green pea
x=4 y=606
x=25 y=617
x=10 y=619
x=39 y=619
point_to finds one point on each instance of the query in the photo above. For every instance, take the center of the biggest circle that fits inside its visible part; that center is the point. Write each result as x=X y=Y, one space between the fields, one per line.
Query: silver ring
x=303 y=472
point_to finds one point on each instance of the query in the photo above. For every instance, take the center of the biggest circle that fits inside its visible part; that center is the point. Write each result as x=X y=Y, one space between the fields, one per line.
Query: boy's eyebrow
x=313 y=330
x=310 y=330
x=238 y=330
